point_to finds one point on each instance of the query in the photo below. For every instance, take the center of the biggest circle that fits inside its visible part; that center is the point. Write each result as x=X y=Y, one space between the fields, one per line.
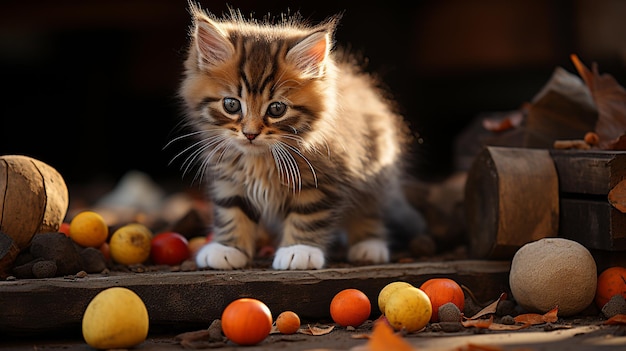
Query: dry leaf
x=384 y=338
x=489 y=309
x=616 y=319
x=610 y=100
x=511 y=120
x=617 y=196
x=535 y=318
x=478 y=323
x=315 y=330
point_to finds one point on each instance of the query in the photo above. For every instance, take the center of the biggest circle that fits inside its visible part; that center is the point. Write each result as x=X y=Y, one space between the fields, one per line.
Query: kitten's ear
x=211 y=43
x=310 y=53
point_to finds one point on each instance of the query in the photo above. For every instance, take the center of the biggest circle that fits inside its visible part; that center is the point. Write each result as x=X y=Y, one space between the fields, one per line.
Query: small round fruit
x=130 y=244
x=350 y=307
x=169 y=248
x=387 y=290
x=288 y=322
x=88 y=229
x=611 y=282
x=65 y=228
x=408 y=309
x=441 y=291
x=196 y=243
x=246 y=321
x=116 y=318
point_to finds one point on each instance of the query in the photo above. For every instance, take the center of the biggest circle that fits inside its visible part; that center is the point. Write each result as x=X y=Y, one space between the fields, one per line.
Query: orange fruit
x=246 y=321
x=88 y=229
x=195 y=244
x=350 y=307
x=408 y=309
x=611 y=282
x=441 y=291
x=130 y=244
x=288 y=322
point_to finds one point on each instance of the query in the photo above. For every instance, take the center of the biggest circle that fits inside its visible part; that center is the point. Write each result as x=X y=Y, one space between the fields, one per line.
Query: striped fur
x=292 y=138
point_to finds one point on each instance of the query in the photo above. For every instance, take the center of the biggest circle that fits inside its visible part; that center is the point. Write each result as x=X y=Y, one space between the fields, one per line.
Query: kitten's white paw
x=299 y=257
x=218 y=256
x=370 y=251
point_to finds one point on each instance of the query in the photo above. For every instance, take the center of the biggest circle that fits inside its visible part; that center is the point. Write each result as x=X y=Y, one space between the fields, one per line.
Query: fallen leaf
x=315 y=330
x=535 y=318
x=616 y=319
x=478 y=323
x=384 y=338
x=610 y=100
x=511 y=120
x=491 y=308
x=617 y=196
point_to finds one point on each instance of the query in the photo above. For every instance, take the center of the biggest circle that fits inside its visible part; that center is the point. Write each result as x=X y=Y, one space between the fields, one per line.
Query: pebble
x=508 y=320
x=449 y=312
x=616 y=305
x=44 y=269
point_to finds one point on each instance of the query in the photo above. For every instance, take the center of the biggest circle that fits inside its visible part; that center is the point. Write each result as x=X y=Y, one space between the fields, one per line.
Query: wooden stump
x=511 y=198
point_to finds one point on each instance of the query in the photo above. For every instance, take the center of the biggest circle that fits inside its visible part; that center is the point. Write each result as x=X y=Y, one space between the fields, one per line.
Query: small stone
x=505 y=307
x=508 y=320
x=81 y=274
x=59 y=248
x=449 y=312
x=93 y=260
x=44 y=269
x=616 y=305
x=471 y=307
x=25 y=271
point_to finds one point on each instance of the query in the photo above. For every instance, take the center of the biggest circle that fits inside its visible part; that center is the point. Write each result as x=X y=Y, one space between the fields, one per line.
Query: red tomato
x=169 y=248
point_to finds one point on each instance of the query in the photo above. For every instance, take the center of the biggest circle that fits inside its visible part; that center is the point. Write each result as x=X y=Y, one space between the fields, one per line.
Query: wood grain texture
x=183 y=299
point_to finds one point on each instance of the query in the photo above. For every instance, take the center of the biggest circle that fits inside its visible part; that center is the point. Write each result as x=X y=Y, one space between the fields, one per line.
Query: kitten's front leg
x=233 y=241
x=305 y=235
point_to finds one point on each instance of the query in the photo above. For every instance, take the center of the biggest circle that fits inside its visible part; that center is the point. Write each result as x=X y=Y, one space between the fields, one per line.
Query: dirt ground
x=578 y=334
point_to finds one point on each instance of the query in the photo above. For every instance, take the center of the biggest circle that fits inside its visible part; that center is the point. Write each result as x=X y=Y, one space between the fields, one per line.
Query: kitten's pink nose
x=251 y=136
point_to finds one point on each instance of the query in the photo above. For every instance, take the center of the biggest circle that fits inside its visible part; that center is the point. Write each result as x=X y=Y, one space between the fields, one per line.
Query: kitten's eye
x=276 y=109
x=232 y=105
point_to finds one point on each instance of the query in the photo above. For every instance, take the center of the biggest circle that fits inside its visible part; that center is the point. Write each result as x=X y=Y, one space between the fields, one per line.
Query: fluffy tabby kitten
x=293 y=139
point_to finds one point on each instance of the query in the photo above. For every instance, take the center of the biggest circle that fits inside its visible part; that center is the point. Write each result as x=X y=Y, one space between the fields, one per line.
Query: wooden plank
x=589 y=172
x=185 y=299
x=594 y=224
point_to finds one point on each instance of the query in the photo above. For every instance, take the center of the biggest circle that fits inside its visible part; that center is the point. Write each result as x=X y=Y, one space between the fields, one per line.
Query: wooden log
x=187 y=300
x=511 y=198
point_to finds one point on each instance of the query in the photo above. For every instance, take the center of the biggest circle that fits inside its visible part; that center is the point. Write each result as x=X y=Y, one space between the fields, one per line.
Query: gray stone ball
x=553 y=272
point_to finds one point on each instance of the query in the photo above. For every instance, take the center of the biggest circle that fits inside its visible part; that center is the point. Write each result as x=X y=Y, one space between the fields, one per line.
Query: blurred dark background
x=90 y=86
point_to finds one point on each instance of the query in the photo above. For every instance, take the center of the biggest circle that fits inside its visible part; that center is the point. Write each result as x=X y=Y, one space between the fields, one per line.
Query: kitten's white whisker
x=291 y=167
x=294 y=149
x=188 y=135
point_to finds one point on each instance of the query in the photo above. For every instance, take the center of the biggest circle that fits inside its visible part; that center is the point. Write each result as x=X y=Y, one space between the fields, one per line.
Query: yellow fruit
x=88 y=229
x=130 y=244
x=116 y=318
x=387 y=290
x=408 y=309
